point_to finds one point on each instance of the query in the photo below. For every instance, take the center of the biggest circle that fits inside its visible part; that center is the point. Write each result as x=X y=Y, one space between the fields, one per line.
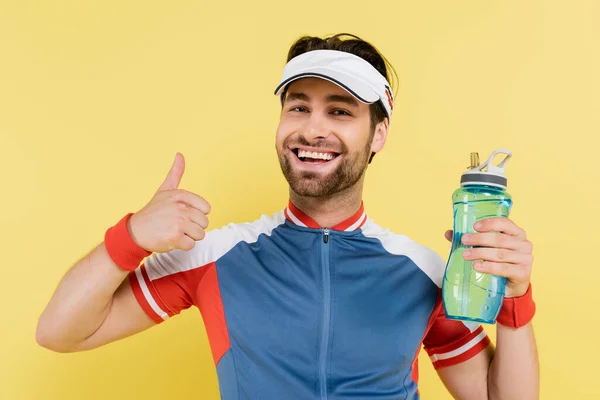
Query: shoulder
x=423 y=256
x=216 y=244
x=243 y=232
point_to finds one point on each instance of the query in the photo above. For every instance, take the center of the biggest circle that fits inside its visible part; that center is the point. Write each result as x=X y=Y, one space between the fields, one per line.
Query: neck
x=330 y=210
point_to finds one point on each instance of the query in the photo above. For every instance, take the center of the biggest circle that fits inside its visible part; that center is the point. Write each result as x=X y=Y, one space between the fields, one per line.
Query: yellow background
x=96 y=98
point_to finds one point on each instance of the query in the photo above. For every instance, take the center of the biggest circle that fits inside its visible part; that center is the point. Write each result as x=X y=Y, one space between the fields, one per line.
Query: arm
x=514 y=371
x=94 y=303
x=511 y=371
x=468 y=380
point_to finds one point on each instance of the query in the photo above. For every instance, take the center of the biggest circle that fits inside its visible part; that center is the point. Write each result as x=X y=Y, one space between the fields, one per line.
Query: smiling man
x=316 y=301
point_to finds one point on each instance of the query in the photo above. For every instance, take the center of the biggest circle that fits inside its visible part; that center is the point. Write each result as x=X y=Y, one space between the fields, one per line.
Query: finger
x=497 y=255
x=448 y=235
x=193 y=231
x=493 y=239
x=500 y=224
x=192 y=199
x=173 y=178
x=515 y=273
x=186 y=243
x=198 y=218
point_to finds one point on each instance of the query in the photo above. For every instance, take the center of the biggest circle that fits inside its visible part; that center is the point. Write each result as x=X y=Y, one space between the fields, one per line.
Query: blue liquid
x=466 y=293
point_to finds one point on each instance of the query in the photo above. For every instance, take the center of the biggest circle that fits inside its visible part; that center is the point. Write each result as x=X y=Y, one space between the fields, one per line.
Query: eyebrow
x=333 y=98
x=336 y=98
x=291 y=96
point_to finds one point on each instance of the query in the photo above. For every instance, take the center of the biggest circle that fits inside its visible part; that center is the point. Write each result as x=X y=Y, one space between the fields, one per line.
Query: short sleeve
x=449 y=342
x=168 y=283
x=165 y=284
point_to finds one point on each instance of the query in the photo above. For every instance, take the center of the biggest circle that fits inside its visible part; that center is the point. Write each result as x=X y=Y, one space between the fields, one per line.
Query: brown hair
x=354 y=45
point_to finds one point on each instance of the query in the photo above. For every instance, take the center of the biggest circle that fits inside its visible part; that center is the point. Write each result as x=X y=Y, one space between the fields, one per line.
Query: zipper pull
x=326 y=235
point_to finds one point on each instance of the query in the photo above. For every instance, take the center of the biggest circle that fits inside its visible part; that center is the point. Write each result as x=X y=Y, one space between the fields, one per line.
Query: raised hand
x=173 y=219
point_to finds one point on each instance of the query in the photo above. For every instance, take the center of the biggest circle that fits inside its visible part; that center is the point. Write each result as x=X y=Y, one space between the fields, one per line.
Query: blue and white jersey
x=296 y=311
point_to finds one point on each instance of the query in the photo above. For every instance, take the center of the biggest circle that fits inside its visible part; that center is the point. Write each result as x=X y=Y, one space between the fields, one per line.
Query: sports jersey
x=293 y=310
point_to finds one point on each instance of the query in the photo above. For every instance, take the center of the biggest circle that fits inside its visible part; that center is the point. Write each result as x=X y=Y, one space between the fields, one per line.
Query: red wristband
x=121 y=248
x=517 y=311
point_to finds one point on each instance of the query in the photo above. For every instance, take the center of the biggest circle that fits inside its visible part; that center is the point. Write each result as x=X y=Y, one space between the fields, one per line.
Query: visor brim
x=357 y=88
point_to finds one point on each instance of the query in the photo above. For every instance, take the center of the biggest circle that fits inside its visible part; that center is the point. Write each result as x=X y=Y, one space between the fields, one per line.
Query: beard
x=348 y=172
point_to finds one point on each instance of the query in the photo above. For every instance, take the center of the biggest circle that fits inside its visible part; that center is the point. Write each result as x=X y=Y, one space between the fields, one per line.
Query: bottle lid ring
x=483 y=179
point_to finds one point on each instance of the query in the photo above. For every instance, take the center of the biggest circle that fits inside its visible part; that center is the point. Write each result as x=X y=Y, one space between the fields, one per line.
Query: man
x=316 y=301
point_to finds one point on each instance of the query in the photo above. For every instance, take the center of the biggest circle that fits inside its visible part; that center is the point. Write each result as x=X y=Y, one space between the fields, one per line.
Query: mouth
x=314 y=157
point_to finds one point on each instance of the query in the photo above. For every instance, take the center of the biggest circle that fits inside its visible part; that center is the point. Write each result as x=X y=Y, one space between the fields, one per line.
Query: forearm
x=514 y=371
x=81 y=301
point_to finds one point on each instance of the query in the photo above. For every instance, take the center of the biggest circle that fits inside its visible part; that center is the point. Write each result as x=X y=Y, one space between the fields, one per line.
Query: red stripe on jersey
x=362 y=223
x=342 y=226
x=310 y=223
x=287 y=216
x=455 y=345
x=210 y=303
x=305 y=219
x=445 y=335
x=463 y=356
x=432 y=319
x=156 y=296
x=141 y=298
x=171 y=293
x=415 y=367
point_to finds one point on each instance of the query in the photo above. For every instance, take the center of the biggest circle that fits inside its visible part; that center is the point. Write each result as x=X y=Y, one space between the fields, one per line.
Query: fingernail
x=466 y=253
x=477 y=225
x=477 y=265
x=466 y=238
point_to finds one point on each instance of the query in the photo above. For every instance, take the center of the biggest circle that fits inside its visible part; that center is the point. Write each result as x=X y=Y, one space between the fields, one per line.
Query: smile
x=314 y=157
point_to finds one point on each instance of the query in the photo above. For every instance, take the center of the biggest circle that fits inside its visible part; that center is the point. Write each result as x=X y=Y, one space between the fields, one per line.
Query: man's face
x=323 y=139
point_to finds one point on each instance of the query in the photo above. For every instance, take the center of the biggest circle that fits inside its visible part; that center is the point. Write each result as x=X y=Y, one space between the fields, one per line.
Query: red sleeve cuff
x=459 y=351
x=142 y=288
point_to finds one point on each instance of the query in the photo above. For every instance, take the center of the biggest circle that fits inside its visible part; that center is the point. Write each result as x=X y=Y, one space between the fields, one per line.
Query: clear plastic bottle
x=468 y=294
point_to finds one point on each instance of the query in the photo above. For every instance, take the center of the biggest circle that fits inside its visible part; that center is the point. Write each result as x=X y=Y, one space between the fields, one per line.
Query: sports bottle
x=468 y=294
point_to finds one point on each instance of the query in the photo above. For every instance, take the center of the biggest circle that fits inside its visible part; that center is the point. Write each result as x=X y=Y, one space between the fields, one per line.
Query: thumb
x=173 y=179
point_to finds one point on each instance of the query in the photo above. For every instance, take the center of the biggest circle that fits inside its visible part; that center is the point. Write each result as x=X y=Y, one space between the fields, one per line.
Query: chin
x=320 y=180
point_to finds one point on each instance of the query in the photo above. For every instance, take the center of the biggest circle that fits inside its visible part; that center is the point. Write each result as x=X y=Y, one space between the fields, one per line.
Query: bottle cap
x=493 y=174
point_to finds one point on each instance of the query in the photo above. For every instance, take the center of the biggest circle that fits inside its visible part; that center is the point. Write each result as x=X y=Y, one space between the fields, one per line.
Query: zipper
x=326 y=314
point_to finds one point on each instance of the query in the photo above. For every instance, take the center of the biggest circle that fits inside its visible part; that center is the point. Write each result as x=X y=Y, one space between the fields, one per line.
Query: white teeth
x=315 y=155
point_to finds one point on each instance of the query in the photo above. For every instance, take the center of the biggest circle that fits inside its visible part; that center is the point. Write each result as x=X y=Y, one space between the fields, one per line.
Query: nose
x=316 y=128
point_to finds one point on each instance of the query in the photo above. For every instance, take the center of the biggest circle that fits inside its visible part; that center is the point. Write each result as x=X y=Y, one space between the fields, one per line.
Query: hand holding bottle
x=501 y=248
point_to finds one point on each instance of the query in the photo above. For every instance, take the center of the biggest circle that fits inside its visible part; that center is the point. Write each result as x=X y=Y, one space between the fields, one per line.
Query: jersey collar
x=297 y=217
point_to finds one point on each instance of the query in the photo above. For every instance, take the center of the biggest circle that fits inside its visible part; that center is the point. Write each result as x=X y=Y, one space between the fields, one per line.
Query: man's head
x=336 y=107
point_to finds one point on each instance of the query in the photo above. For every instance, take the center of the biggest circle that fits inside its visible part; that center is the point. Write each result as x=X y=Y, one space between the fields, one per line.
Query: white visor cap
x=352 y=73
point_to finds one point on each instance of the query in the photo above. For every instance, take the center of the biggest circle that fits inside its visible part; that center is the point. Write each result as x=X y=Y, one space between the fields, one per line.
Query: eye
x=299 y=109
x=340 y=111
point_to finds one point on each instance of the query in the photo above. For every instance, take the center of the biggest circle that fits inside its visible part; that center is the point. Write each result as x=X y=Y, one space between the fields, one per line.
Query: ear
x=380 y=136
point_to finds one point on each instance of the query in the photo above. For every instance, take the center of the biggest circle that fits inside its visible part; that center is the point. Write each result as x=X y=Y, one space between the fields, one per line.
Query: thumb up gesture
x=173 y=219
